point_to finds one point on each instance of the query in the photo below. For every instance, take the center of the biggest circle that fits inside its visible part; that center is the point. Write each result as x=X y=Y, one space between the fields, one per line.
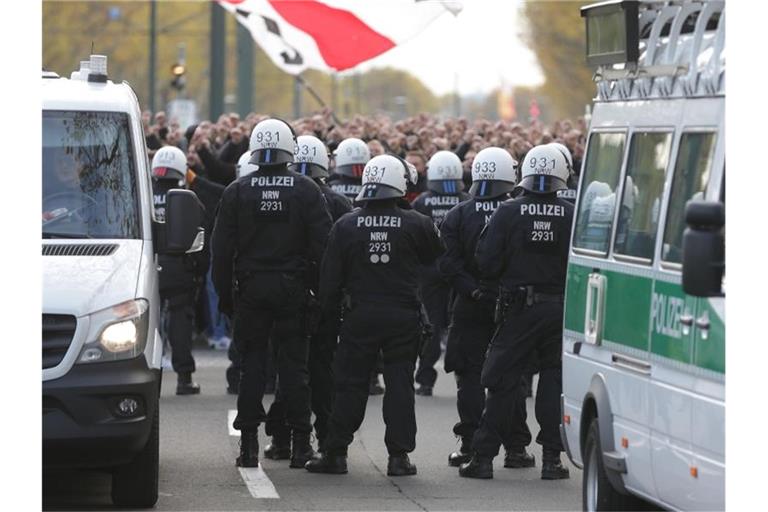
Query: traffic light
x=178 y=82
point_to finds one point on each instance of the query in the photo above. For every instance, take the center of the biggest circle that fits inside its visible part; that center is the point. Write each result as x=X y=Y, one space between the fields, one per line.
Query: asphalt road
x=197 y=471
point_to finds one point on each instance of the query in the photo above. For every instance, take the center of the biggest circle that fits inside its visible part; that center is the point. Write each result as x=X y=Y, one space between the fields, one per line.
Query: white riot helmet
x=545 y=170
x=272 y=143
x=444 y=173
x=244 y=165
x=493 y=173
x=170 y=163
x=384 y=177
x=566 y=153
x=310 y=157
x=351 y=156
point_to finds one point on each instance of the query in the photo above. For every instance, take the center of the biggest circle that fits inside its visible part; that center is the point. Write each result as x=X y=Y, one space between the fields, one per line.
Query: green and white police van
x=643 y=404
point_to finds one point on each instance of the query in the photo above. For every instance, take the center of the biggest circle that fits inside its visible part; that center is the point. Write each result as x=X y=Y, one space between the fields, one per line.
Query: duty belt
x=531 y=296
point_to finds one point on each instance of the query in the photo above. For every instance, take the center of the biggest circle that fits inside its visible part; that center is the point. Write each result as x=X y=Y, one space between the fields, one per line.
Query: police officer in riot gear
x=372 y=263
x=244 y=167
x=472 y=327
x=444 y=191
x=180 y=275
x=311 y=159
x=569 y=194
x=351 y=155
x=268 y=240
x=525 y=247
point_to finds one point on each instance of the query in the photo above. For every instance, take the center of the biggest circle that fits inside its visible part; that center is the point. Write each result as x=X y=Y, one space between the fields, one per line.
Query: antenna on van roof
x=91 y=47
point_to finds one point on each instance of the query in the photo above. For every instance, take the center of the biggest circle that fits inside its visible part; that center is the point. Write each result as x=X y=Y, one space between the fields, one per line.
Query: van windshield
x=89 y=179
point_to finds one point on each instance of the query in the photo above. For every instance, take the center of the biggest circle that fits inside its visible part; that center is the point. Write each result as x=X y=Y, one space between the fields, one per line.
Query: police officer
x=311 y=159
x=350 y=157
x=569 y=194
x=373 y=259
x=244 y=167
x=525 y=246
x=472 y=326
x=269 y=237
x=181 y=275
x=444 y=191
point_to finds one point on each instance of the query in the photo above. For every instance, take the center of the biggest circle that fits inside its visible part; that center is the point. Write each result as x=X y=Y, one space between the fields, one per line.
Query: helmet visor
x=377 y=191
x=167 y=173
x=541 y=184
x=309 y=169
x=486 y=189
x=270 y=156
x=353 y=170
x=445 y=186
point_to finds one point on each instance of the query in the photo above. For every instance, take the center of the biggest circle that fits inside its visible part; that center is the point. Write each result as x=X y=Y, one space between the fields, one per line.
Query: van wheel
x=596 y=491
x=135 y=484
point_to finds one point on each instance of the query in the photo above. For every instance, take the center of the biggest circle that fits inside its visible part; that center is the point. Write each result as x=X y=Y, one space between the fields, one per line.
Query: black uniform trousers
x=472 y=328
x=370 y=327
x=434 y=296
x=272 y=305
x=527 y=331
x=322 y=346
x=179 y=318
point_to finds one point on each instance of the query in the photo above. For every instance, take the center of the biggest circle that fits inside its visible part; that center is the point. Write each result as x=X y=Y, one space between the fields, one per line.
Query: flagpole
x=317 y=97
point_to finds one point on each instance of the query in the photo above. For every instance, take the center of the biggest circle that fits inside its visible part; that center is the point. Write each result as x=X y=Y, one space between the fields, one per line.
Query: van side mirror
x=181 y=232
x=704 y=249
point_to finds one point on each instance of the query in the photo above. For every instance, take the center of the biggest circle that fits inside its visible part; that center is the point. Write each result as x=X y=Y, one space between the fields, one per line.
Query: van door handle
x=703 y=324
x=686 y=319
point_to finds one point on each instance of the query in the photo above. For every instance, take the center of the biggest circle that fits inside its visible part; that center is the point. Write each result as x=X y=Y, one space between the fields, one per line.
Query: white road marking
x=257 y=481
x=231 y=421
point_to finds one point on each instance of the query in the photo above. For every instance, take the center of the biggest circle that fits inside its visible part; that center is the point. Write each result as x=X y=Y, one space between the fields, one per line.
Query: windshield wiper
x=49 y=234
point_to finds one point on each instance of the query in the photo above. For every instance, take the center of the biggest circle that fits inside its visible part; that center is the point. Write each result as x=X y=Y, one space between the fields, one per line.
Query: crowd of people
x=309 y=252
x=213 y=147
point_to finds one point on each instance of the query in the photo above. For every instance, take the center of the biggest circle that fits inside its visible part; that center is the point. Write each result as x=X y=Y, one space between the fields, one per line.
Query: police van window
x=89 y=181
x=641 y=199
x=692 y=170
x=602 y=169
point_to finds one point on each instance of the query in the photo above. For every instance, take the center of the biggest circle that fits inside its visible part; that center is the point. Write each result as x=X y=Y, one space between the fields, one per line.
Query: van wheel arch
x=597 y=404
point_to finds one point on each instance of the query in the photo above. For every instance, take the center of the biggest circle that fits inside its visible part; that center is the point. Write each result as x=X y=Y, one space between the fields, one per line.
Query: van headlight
x=117 y=333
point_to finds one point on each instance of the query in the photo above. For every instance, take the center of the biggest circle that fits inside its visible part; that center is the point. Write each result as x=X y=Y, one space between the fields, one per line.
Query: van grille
x=58 y=331
x=79 y=249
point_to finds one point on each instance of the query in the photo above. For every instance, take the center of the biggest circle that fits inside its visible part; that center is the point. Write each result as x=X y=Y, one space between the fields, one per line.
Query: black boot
x=462 y=456
x=477 y=467
x=400 y=465
x=185 y=386
x=519 y=458
x=301 y=449
x=551 y=467
x=280 y=447
x=375 y=388
x=424 y=390
x=249 y=449
x=328 y=463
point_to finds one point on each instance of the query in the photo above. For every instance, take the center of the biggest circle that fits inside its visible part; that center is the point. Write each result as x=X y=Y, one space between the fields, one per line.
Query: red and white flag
x=333 y=35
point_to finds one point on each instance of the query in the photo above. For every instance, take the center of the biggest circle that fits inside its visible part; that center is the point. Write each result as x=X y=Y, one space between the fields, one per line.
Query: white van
x=644 y=330
x=101 y=350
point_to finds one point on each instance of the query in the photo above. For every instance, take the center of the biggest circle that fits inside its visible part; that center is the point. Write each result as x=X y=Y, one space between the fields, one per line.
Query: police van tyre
x=135 y=484
x=597 y=492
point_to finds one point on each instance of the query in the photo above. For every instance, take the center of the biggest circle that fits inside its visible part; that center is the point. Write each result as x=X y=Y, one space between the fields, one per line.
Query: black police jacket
x=272 y=220
x=436 y=206
x=526 y=243
x=375 y=253
x=337 y=204
x=345 y=185
x=460 y=231
x=178 y=273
